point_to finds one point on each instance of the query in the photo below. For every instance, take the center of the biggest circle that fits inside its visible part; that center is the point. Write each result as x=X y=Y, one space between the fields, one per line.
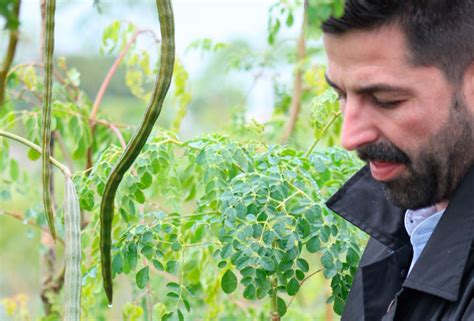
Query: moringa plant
x=213 y=227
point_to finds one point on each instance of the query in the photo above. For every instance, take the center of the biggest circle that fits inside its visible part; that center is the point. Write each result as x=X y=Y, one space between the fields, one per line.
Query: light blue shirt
x=420 y=225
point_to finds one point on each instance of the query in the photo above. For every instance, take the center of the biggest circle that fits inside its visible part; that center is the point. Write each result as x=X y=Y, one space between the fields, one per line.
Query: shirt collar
x=413 y=218
x=439 y=269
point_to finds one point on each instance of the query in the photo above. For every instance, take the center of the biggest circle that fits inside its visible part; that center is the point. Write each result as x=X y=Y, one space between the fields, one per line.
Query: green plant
x=224 y=226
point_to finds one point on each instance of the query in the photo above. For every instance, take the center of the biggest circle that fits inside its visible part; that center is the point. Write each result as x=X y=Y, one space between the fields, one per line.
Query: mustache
x=383 y=151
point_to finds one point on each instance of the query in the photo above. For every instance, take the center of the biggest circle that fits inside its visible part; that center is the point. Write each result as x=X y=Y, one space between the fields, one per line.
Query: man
x=404 y=72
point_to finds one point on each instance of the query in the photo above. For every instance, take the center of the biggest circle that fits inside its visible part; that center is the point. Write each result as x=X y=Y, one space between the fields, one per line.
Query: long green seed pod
x=47 y=93
x=72 y=253
x=138 y=140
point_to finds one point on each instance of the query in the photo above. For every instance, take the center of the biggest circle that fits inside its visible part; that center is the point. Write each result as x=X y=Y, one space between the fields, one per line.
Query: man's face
x=408 y=122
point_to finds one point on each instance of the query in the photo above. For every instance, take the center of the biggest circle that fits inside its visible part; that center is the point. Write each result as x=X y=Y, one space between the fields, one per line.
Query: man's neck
x=441 y=205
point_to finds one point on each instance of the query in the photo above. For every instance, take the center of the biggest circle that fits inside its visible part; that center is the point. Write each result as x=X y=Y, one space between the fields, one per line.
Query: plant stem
x=323 y=131
x=274 y=315
x=32 y=145
x=302 y=282
x=10 y=54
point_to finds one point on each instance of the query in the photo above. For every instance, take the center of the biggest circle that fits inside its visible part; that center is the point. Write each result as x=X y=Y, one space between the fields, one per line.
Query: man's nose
x=358 y=128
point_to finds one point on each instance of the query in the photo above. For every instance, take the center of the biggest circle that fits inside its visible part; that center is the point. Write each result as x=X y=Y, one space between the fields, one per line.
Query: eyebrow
x=370 y=89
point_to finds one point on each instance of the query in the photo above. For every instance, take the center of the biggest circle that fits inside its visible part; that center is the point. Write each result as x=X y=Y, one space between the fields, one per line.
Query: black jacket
x=440 y=286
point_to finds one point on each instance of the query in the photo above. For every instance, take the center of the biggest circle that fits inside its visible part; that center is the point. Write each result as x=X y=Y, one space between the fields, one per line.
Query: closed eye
x=388 y=104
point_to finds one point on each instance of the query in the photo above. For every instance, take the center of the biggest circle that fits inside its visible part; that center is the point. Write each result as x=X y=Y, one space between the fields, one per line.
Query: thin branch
x=118 y=134
x=103 y=89
x=32 y=145
x=71 y=89
x=321 y=134
x=295 y=105
x=112 y=70
x=11 y=49
x=108 y=77
x=17 y=216
x=301 y=284
x=113 y=127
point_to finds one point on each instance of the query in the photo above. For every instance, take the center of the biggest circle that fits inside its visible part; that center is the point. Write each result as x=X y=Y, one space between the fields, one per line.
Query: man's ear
x=468 y=87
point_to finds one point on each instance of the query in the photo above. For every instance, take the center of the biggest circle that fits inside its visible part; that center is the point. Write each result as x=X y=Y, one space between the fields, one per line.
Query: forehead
x=365 y=54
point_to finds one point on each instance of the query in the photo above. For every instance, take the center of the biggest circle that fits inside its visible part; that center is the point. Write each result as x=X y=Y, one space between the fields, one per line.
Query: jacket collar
x=361 y=201
x=440 y=267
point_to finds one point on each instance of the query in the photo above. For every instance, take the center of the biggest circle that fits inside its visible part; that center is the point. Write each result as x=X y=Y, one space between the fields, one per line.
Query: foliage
x=206 y=223
x=7 y=11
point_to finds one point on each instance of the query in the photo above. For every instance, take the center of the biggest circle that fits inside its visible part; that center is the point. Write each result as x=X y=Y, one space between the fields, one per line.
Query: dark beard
x=434 y=174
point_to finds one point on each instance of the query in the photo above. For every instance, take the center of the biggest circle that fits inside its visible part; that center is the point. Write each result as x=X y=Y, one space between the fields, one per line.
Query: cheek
x=410 y=129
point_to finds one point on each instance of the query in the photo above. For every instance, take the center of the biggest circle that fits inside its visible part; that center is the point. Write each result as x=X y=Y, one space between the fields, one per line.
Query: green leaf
x=176 y=246
x=313 y=214
x=155 y=165
x=180 y=315
x=313 y=245
x=87 y=201
x=281 y=306
x=187 y=305
x=352 y=257
x=146 y=180
x=117 y=264
x=132 y=256
x=14 y=169
x=139 y=196
x=157 y=264
x=171 y=266
x=299 y=275
x=166 y=316
x=288 y=274
x=142 y=277
x=33 y=154
x=292 y=287
x=268 y=264
x=338 y=305
x=285 y=265
x=148 y=252
x=303 y=265
x=250 y=293
x=327 y=260
x=147 y=238
x=289 y=20
x=325 y=233
x=173 y=286
x=173 y=295
x=229 y=282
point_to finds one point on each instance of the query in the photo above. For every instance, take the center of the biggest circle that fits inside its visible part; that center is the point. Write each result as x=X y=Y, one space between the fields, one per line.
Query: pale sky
x=79 y=25
x=79 y=28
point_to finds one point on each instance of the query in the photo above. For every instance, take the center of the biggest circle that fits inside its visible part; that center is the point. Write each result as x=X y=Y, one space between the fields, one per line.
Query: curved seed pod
x=138 y=140
x=46 y=114
x=72 y=253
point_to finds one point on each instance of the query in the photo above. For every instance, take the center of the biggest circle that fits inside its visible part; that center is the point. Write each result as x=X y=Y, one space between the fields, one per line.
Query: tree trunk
x=295 y=105
x=10 y=54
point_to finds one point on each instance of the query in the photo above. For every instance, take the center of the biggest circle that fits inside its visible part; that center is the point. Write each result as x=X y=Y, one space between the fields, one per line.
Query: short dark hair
x=439 y=32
